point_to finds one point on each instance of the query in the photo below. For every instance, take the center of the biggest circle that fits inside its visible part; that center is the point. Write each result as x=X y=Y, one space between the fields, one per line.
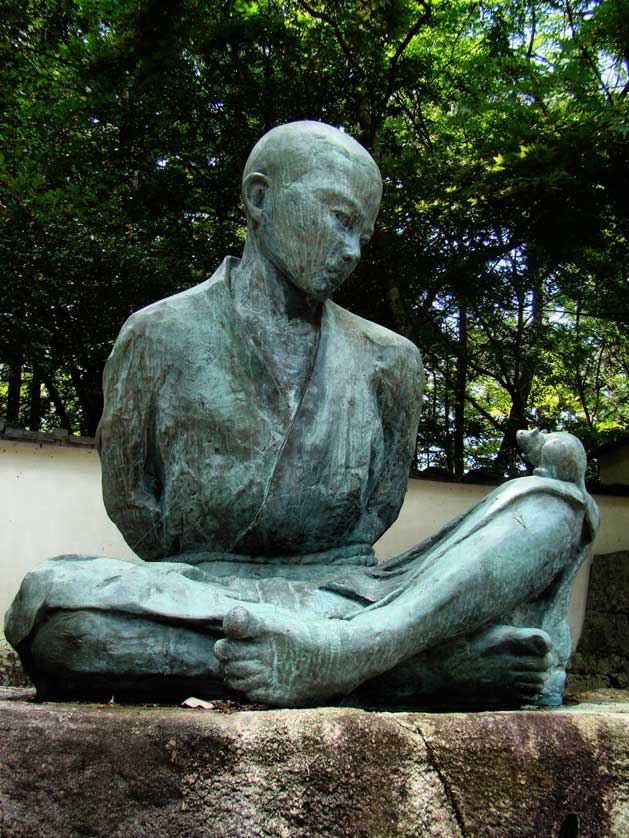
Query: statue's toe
x=534 y=641
x=241 y=624
x=530 y=680
x=243 y=655
x=242 y=669
x=223 y=650
x=254 y=686
x=515 y=641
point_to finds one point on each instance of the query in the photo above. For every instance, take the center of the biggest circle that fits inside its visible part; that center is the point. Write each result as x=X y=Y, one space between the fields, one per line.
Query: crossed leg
x=287 y=660
x=87 y=654
x=436 y=634
x=503 y=666
x=83 y=655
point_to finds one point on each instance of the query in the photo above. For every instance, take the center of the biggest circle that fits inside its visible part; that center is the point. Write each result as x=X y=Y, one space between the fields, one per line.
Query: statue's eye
x=343 y=218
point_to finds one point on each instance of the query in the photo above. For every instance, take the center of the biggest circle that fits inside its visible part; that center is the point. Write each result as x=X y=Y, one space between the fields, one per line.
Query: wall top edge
x=471 y=479
x=60 y=436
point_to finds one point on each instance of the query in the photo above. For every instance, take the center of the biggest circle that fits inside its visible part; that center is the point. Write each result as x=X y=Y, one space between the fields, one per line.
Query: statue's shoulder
x=180 y=312
x=375 y=339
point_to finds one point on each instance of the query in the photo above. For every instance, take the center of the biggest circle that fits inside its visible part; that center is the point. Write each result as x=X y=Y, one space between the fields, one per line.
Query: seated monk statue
x=255 y=442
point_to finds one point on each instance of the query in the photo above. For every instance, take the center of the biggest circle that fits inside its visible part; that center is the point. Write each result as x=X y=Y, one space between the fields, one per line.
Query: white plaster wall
x=430 y=504
x=51 y=503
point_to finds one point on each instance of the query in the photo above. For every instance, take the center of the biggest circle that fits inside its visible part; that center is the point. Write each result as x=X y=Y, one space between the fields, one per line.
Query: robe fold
x=202 y=453
x=237 y=494
x=199 y=596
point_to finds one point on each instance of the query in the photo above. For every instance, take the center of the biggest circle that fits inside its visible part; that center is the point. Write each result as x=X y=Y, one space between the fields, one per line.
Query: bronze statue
x=255 y=443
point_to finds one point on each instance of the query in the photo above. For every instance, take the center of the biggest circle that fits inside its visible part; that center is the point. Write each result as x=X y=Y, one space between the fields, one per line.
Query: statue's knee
x=67 y=641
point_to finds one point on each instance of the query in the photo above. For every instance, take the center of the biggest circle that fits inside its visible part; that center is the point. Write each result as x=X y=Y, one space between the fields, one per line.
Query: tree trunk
x=526 y=361
x=55 y=398
x=15 y=387
x=34 y=402
x=447 y=435
x=460 y=388
x=88 y=389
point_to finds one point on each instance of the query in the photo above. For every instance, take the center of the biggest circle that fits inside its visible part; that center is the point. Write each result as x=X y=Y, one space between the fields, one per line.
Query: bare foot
x=503 y=666
x=286 y=662
x=513 y=661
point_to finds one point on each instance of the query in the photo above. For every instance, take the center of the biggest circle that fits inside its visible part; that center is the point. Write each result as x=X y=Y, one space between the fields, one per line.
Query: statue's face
x=313 y=229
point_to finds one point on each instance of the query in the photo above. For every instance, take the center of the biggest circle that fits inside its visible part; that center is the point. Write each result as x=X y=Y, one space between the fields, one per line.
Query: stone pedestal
x=131 y=772
x=602 y=658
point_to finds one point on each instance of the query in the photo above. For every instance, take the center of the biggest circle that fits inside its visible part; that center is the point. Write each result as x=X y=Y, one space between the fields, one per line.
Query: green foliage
x=501 y=130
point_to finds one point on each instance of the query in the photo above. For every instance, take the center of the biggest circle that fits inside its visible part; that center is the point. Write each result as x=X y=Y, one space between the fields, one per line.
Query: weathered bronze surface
x=255 y=443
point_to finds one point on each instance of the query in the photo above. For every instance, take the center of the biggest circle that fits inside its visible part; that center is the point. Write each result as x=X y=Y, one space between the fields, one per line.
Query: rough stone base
x=11 y=672
x=602 y=659
x=130 y=772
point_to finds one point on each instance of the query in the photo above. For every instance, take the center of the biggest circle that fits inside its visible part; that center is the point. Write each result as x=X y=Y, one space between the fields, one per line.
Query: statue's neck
x=262 y=293
x=282 y=320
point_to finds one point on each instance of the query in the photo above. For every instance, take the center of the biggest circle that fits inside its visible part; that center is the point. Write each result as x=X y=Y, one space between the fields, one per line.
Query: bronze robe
x=203 y=454
x=239 y=497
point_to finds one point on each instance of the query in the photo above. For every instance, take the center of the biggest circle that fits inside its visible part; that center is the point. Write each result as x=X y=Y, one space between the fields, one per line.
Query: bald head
x=312 y=195
x=286 y=153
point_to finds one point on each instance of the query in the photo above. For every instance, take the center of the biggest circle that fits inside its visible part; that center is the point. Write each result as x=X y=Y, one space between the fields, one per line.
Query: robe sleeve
x=401 y=393
x=125 y=439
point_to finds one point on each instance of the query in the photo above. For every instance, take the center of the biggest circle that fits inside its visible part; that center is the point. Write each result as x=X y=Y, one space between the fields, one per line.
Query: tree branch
x=529 y=51
x=496 y=424
x=584 y=52
x=420 y=128
x=338 y=34
x=402 y=46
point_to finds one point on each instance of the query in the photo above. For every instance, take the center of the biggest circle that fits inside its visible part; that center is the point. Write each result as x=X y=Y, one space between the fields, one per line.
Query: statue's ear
x=254 y=190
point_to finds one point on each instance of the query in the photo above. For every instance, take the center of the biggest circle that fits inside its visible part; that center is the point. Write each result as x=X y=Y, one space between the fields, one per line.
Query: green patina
x=255 y=443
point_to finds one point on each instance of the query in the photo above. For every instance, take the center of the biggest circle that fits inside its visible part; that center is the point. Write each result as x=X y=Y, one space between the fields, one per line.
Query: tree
x=500 y=130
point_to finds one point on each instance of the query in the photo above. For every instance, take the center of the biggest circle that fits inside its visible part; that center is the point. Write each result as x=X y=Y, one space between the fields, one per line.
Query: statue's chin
x=317 y=290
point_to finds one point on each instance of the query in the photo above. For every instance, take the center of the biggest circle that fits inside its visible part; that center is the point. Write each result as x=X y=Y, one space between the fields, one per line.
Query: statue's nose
x=351 y=252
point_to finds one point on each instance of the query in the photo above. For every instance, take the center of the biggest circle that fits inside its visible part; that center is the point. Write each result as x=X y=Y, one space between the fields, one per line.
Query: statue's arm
x=125 y=438
x=402 y=396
